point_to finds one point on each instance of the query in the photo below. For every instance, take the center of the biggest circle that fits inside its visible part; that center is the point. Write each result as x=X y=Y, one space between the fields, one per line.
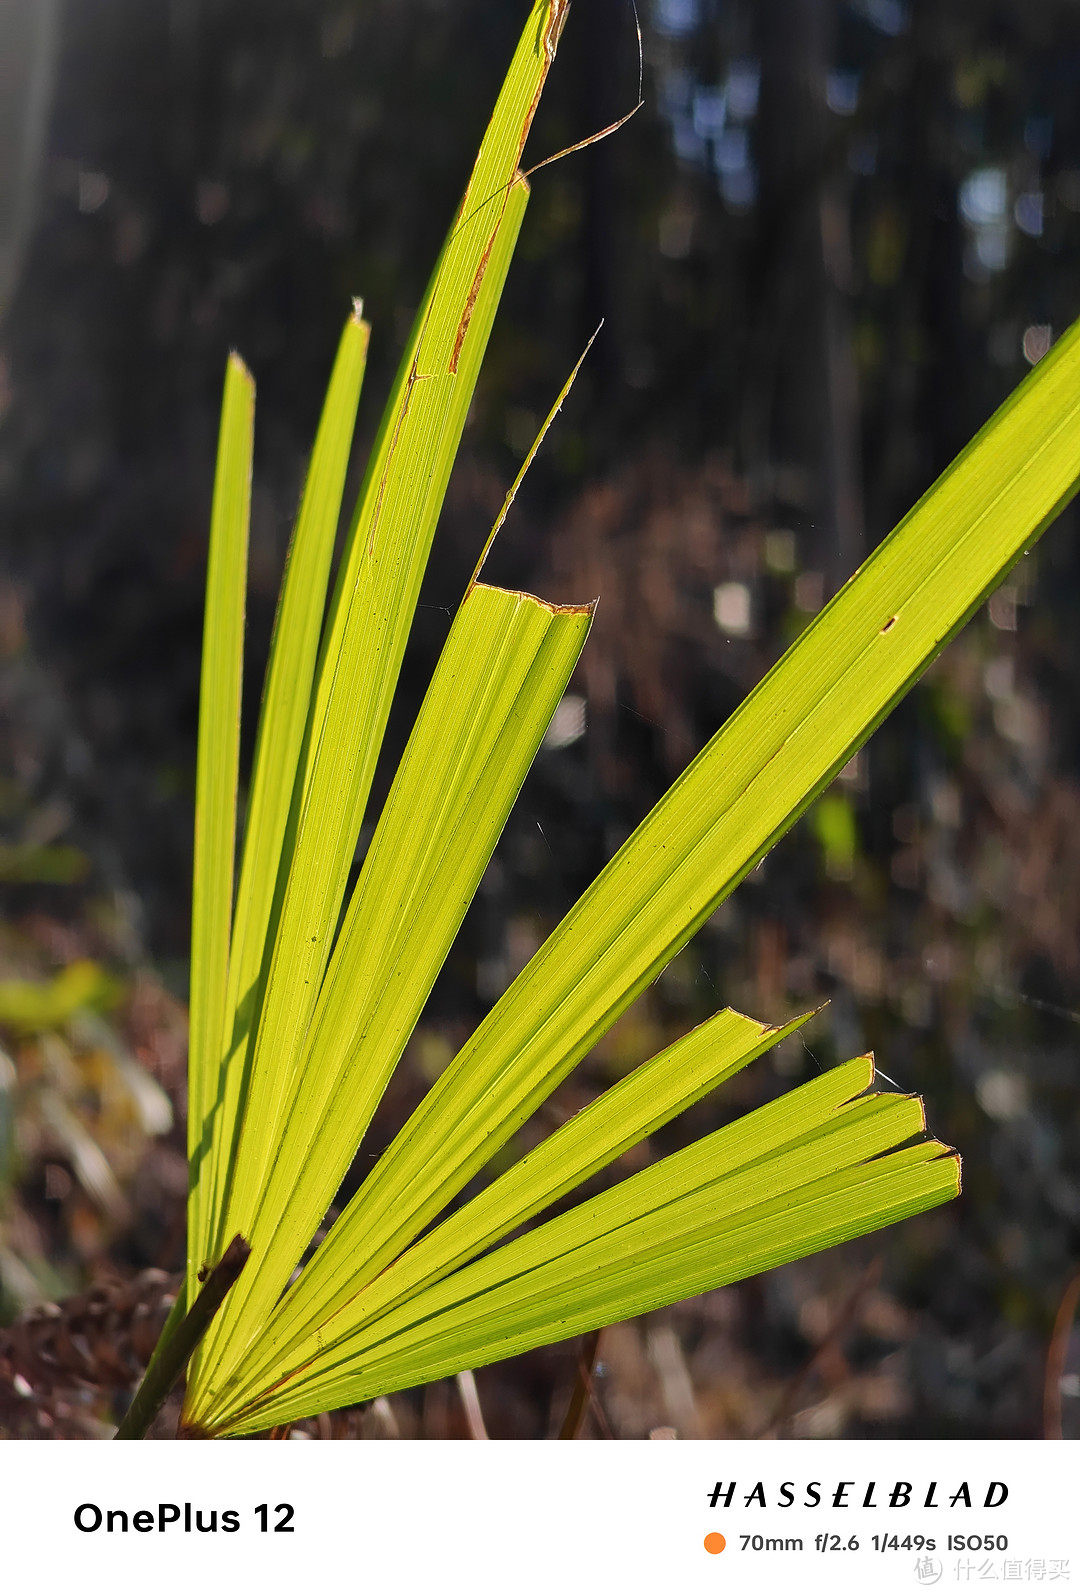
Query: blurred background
x=835 y=237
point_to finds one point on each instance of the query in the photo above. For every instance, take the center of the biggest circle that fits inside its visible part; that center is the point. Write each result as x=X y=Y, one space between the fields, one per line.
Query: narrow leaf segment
x=282 y=723
x=218 y=762
x=503 y=670
x=742 y=792
x=339 y=1290
x=811 y=1169
x=374 y=602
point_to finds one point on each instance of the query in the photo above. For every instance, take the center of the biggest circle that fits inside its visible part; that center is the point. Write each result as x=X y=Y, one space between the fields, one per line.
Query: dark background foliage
x=834 y=238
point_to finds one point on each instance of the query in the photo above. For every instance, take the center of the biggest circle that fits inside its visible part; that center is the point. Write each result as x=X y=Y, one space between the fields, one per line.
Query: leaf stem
x=583 y=1396
x=165 y=1370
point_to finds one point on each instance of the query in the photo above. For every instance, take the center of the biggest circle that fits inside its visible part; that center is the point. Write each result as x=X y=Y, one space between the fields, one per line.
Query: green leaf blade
x=343 y=1286
x=501 y=675
x=377 y=591
x=748 y=786
x=283 y=718
x=885 y=1196
x=217 y=773
x=804 y=1172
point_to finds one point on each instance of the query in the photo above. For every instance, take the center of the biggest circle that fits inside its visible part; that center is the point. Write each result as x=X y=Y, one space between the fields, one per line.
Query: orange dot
x=714 y=1544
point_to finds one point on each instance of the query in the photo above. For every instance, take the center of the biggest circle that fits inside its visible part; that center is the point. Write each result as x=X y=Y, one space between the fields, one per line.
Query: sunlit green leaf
x=504 y=669
x=803 y=1172
x=330 y=1299
x=405 y=1288
x=794 y=732
x=376 y=596
x=218 y=763
x=282 y=723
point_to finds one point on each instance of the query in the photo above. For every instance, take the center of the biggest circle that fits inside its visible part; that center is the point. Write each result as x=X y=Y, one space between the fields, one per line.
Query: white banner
x=546 y=1516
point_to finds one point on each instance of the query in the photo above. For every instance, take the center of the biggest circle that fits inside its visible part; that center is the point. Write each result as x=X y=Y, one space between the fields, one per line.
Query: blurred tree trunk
x=28 y=31
x=604 y=98
x=802 y=430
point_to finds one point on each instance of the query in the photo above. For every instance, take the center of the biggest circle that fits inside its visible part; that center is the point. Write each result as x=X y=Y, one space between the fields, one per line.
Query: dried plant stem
x=165 y=1370
x=470 y=1400
x=837 y=1330
x=582 y=1396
